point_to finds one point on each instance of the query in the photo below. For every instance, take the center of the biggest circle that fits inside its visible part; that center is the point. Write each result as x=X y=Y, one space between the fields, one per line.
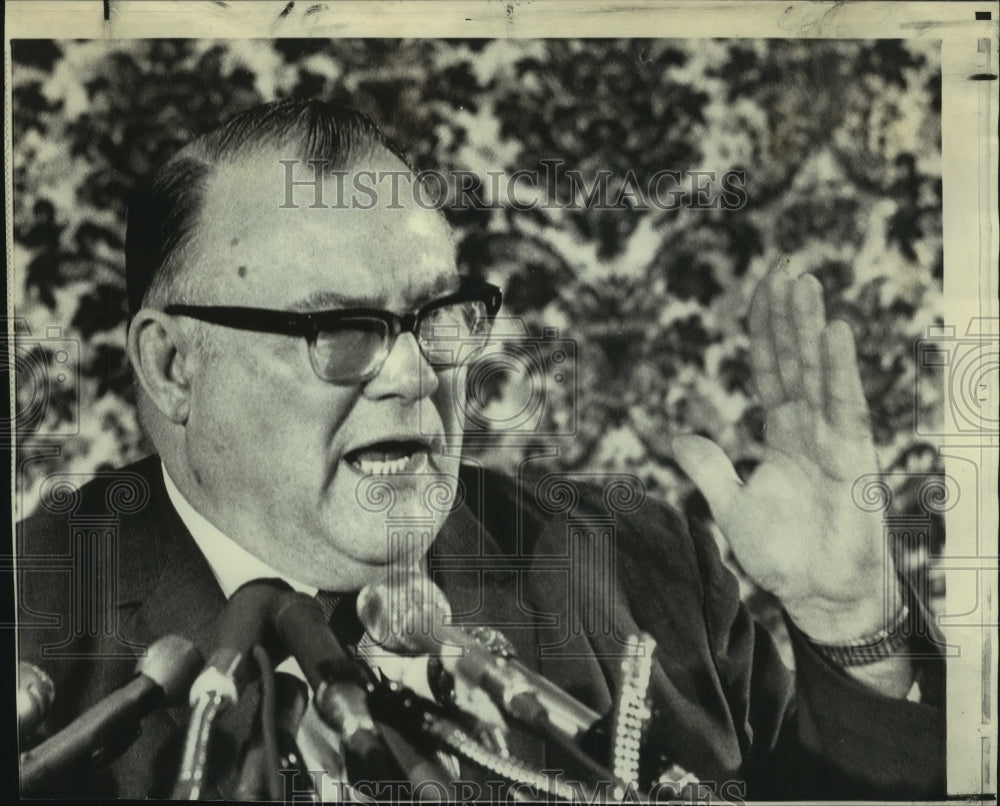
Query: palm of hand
x=794 y=526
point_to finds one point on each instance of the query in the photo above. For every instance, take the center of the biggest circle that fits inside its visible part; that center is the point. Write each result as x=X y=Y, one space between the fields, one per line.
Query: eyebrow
x=324 y=300
x=446 y=283
x=327 y=300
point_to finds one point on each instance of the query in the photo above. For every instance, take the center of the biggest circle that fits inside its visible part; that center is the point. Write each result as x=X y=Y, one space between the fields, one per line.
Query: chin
x=376 y=539
x=406 y=536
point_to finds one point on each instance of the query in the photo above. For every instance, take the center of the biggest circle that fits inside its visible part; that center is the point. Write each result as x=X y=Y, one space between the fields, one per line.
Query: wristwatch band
x=887 y=642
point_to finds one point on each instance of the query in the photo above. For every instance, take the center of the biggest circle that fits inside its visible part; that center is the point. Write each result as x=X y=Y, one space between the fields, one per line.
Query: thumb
x=710 y=469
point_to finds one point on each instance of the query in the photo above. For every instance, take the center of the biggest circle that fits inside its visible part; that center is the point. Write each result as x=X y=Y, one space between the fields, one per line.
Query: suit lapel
x=168 y=588
x=167 y=585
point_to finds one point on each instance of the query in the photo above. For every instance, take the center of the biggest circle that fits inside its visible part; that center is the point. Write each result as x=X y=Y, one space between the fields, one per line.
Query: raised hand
x=794 y=526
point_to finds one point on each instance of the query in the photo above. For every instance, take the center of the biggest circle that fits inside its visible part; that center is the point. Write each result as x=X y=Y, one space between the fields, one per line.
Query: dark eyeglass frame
x=310 y=325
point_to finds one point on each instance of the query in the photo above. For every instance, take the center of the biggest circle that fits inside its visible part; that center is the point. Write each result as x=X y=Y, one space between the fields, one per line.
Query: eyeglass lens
x=448 y=336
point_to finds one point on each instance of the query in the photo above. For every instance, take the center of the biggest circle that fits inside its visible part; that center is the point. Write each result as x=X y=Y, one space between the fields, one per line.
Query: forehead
x=252 y=247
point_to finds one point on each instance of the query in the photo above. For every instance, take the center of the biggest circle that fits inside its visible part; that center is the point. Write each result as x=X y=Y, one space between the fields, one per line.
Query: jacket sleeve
x=819 y=733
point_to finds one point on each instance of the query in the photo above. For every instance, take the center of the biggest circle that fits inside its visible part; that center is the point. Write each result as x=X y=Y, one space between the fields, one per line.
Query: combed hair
x=164 y=213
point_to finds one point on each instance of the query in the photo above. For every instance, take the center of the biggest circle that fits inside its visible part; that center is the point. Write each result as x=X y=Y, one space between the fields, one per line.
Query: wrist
x=879 y=658
x=841 y=623
x=889 y=641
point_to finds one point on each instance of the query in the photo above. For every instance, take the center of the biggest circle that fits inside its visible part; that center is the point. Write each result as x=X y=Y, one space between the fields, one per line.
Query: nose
x=405 y=373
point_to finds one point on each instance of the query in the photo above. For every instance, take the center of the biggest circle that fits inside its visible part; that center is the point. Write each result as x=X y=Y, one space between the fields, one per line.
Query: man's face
x=290 y=466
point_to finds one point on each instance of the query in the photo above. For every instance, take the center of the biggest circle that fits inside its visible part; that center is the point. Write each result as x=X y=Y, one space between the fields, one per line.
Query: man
x=279 y=420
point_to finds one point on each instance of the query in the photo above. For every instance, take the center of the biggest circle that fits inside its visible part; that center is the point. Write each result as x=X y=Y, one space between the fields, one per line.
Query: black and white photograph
x=502 y=402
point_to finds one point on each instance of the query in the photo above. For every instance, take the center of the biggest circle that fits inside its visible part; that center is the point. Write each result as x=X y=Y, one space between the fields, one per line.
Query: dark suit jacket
x=567 y=569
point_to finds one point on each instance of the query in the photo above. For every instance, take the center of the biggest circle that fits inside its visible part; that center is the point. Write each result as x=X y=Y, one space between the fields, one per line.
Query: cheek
x=449 y=399
x=260 y=406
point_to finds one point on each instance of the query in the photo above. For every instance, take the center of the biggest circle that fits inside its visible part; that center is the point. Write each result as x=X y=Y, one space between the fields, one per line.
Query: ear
x=159 y=353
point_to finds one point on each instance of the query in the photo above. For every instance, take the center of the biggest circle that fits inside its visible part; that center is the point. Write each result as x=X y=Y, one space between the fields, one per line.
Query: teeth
x=384 y=468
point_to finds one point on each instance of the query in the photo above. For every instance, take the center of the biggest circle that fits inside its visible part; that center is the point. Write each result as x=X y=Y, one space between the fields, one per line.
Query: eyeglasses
x=350 y=345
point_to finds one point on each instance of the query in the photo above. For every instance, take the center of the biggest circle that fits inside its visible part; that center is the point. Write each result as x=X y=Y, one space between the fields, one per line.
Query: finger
x=710 y=469
x=845 y=405
x=786 y=348
x=762 y=357
x=809 y=318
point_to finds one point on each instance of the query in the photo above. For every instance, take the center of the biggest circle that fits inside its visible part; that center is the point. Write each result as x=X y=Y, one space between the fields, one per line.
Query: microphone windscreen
x=247 y=620
x=403 y=616
x=35 y=693
x=172 y=663
x=303 y=630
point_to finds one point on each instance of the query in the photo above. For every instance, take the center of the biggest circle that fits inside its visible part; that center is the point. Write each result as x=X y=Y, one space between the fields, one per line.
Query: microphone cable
x=268 y=729
x=422 y=718
x=273 y=750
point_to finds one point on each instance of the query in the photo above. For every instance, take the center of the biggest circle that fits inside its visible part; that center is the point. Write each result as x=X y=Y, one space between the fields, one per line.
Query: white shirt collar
x=231 y=564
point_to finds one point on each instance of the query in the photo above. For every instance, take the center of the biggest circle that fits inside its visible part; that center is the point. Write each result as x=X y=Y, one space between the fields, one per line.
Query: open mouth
x=388 y=457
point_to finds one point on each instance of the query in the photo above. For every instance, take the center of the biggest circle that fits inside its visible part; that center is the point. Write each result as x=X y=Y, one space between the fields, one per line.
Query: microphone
x=565 y=712
x=162 y=678
x=35 y=692
x=245 y=622
x=402 y=617
x=340 y=688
